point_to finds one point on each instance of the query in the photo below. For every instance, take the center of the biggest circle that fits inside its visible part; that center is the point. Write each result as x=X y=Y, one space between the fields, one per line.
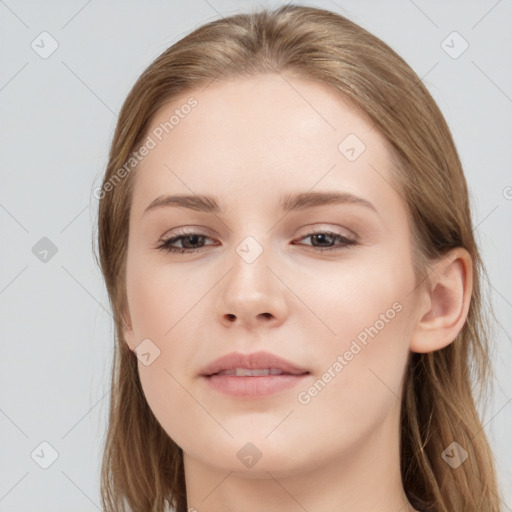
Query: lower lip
x=253 y=387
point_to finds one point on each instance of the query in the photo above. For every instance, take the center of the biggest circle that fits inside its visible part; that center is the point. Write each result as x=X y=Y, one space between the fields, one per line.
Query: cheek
x=360 y=299
x=160 y=312
x=162 y=302
x=158 y=297
x=359 y=381
x=177 y=413
x=369 y=310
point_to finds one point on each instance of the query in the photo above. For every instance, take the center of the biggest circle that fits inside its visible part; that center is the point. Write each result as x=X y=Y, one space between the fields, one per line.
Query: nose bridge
x=252 y=292
x=252 y=244
x=250 y=275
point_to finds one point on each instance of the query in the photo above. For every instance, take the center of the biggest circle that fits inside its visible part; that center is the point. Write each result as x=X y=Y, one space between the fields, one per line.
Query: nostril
x=231 y=317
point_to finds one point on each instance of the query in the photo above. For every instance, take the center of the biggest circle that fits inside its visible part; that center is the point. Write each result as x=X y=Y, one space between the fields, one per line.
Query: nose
x=252 y=295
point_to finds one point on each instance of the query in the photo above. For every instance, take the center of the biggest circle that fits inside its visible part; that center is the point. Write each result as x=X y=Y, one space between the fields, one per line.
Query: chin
x=254 y=456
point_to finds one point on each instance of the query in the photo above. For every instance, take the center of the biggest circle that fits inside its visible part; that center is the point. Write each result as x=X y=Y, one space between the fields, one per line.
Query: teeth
x=246 y=372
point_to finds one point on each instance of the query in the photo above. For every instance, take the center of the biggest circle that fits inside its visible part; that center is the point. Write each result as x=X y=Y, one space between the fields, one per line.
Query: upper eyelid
x=312 y=231
x=206 y=232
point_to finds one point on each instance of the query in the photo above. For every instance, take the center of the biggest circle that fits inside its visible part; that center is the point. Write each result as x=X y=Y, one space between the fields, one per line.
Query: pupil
x=322 y=238
x=190 y=239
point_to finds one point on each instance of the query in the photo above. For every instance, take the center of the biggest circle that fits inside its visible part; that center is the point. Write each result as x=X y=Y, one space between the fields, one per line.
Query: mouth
x=247 y=372
x=252 y=375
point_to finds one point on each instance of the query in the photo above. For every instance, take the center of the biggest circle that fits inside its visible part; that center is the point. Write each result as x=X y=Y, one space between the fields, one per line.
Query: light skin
x=249 y=142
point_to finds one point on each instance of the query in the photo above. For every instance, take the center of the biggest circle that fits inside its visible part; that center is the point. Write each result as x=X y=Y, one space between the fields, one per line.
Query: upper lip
x=254 y=361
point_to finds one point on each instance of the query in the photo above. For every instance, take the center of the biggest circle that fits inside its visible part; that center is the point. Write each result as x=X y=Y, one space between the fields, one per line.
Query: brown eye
x=190 y=242
x=326 y=241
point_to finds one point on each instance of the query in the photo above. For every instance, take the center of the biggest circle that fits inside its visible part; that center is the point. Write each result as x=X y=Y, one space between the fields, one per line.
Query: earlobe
x=447 y=299
x=128 y=332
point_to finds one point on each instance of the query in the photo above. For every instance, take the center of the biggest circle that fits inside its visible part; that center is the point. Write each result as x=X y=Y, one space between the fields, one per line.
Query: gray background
x=57 y=119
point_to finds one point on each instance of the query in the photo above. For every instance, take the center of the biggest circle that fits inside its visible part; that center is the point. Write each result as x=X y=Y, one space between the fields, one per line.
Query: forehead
x=268 y=134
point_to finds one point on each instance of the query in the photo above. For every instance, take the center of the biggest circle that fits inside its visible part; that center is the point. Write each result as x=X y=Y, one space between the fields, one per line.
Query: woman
x=286 y=240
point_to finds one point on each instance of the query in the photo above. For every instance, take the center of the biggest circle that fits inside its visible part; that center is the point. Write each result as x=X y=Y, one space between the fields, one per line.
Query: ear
x=444 y=300
x=128 y=335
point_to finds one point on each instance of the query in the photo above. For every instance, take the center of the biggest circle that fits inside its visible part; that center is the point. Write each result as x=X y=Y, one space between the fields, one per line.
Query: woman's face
x=292 y=170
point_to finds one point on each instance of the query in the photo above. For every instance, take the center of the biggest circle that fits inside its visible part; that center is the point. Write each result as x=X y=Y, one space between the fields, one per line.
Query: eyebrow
x=290 y=202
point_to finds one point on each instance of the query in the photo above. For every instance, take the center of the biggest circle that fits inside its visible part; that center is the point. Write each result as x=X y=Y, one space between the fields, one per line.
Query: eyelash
x=166 y=246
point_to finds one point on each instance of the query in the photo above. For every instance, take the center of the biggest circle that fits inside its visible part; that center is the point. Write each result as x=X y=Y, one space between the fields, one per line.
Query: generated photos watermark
x=356 y=346
x=157 y=135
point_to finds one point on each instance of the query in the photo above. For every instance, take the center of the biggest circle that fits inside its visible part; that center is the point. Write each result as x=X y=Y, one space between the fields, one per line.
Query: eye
x=327 y=240
x=188 y=240
x=192 y=242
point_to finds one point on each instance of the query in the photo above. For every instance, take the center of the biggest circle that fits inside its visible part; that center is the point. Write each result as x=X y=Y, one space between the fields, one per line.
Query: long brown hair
x=142 y=467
